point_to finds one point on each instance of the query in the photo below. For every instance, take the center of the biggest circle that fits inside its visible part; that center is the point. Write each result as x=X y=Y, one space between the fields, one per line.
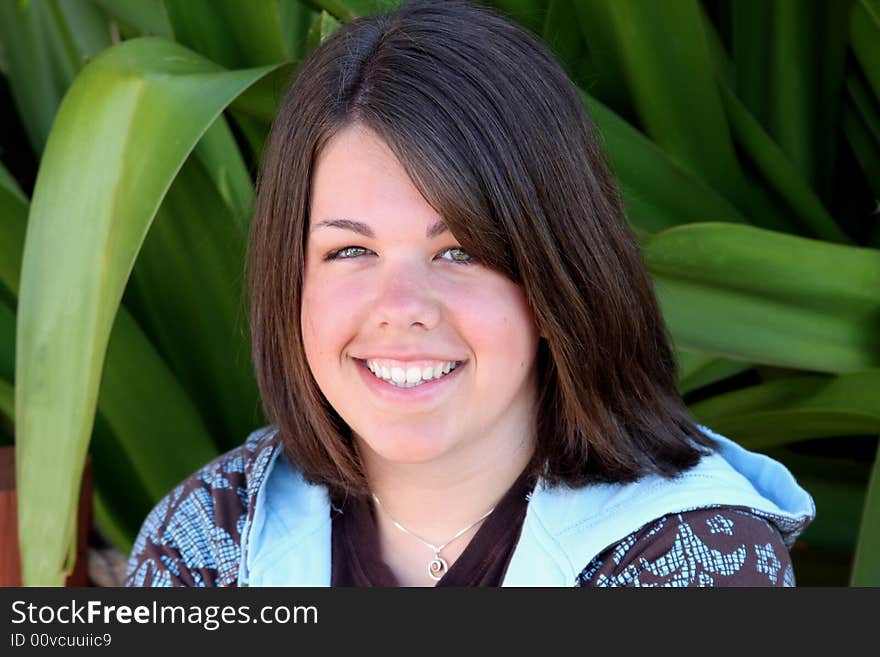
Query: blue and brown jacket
x=248 y=518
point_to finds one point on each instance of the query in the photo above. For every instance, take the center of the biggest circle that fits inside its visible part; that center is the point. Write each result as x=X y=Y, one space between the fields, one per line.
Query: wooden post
x=10 y=558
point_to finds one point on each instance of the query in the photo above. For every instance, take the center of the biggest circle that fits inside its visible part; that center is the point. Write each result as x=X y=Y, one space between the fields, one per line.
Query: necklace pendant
x=437 y=567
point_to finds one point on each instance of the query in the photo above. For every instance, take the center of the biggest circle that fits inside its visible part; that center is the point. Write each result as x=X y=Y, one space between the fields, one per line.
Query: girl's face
x=385 y=286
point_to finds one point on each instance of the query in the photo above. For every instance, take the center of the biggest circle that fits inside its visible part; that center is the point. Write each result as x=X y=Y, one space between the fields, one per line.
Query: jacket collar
x=286 y=540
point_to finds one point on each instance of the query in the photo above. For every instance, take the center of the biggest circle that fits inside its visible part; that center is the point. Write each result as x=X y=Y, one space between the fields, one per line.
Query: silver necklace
x=437 y=566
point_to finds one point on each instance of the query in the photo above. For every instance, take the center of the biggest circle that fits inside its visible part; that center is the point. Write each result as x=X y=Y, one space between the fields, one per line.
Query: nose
x=404 y=299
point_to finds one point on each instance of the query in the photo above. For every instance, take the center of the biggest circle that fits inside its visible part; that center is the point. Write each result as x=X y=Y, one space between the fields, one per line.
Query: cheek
x=499 y=322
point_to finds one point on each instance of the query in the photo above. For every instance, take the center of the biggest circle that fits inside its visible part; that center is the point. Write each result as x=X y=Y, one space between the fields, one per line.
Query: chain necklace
x=437 y=566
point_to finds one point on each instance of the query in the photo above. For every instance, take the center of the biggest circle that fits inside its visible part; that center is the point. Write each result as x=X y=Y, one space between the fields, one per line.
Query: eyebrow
x=363 y=229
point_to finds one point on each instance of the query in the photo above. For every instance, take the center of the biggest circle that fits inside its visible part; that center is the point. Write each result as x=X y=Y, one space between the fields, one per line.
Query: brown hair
x=495 y=137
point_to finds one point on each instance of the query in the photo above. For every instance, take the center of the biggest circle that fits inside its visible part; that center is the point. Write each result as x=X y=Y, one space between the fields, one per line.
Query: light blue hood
x=288 y=542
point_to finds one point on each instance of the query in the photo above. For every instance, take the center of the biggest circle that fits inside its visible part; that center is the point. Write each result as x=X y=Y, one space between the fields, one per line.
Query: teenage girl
x=467 y=373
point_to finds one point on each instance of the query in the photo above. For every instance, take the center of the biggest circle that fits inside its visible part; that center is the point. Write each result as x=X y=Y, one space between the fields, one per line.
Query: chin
x=407 y=449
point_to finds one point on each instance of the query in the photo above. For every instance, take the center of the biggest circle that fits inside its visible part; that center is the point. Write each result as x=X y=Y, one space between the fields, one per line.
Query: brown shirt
x=356 y=560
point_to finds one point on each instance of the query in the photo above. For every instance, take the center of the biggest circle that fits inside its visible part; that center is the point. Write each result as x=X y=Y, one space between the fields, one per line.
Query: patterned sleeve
x=719 y=546
x=192 y=537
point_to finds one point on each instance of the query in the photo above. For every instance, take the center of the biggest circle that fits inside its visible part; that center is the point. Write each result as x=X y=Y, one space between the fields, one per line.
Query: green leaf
x=325 y=25
x=779 y=172
x=672 y=85
x=864 y=28
x=296 y=18
x=659 y=193
x=563 y=36
x=696 y=370
x=866 y=562
x=41 y=66
x=146 y=16
x=262 y=99
x=13 y=223
x=84 y=28
x=866 y=149
x=222 y=161
x=121 y=501
x=7 y=400
x=749 y=294
x=346 y=10
x=796 y=408
x=193 y=258
x=229 y=32
x=144 y=101
x=7 y=346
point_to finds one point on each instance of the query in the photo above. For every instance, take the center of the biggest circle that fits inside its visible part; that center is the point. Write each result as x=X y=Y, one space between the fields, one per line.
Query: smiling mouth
x=398 y=378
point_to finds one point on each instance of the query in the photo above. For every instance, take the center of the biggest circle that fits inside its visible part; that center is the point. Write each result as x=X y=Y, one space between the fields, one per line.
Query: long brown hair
x=494 y=135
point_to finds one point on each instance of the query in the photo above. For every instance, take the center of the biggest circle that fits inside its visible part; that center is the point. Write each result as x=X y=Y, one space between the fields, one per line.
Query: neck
x=436 y=500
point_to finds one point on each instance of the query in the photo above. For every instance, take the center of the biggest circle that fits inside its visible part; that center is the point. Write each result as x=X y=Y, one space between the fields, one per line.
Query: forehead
x=358 y=178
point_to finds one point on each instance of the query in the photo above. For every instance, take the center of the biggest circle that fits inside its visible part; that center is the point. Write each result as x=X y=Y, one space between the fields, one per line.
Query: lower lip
x=425 y=392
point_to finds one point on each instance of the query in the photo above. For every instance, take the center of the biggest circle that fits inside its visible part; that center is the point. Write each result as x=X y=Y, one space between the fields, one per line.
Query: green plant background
x=745 y=135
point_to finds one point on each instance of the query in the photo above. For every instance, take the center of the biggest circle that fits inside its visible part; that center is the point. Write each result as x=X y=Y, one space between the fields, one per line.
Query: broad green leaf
x=863 y=145
x=672 y=84
x=84 y=28
x=658 y=192
x=792 y=81
x=7 y=345
x=13 y=223
x=146 y=16
x=122 y=133
x=696 y=370
x=834 y=29
x=184 y=437
x=255 y=133
x=528 y=13
x=865 y=39
x=193 y=258
x=796 y=408
x=219 y=155
x=563 y=36
x=789 y=66
x=752 y=29
x=262 y=99
x=136 y=386
x=868 y=108
x=346 y=10
x=325 y=25
x=229 y=32
x=296 y=18
x=7 y=400
x=779 y=172
x=866 y=563
x=40 y=64
x=607 y=80
x=120 y=500
x=749 y=294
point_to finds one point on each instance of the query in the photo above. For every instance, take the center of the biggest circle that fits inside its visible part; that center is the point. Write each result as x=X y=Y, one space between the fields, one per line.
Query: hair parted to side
x=494 y=135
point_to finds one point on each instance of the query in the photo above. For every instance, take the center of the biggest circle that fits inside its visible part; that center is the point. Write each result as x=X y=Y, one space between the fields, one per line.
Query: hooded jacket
x=278 y=533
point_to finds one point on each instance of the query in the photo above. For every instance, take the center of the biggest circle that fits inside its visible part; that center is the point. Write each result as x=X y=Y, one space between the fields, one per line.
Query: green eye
x=346 y=253
x=466 y=260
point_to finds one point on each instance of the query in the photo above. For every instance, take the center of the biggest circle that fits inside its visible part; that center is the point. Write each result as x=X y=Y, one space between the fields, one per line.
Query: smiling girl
x=459 y=347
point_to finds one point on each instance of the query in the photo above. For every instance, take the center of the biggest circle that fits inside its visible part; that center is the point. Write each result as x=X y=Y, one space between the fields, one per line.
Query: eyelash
x=334 y=255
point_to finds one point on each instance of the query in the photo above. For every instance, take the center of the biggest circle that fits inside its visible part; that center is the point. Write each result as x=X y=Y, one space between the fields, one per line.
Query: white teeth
x=411 y=376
